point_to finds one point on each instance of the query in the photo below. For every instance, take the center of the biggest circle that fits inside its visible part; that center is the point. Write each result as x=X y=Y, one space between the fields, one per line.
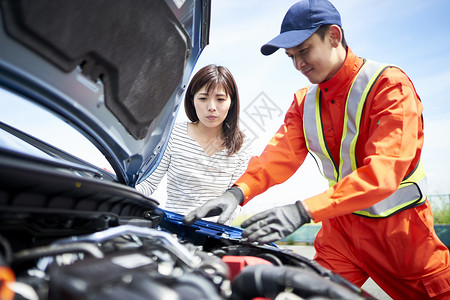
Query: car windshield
x=47 y=127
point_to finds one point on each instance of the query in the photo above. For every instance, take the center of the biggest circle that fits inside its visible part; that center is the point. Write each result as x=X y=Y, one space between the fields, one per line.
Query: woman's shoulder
x=179 y=137
x=180 y=126
x=180 y=129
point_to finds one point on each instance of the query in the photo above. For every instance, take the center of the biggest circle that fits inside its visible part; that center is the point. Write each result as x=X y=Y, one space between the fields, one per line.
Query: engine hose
x=268 y=281
x=5 y=251
x=53 y=250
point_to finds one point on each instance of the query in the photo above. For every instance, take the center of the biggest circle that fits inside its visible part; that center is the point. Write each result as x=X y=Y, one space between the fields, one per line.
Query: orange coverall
x=401 y=253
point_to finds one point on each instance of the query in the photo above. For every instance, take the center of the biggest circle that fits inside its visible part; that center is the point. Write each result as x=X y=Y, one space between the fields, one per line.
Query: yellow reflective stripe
x=312 y=130
x=391 y=211
x=320 y=134
x=344 y=133
x=356 y=99
x=418 y=174
x=311 y=89
x=417 y=181
x=359 y=116
x=306 y=140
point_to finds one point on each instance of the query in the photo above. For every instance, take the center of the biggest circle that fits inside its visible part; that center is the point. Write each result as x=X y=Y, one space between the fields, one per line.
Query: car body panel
x=113 y=93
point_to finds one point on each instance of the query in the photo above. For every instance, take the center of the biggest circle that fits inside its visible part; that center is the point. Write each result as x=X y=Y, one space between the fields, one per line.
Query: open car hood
x=116 y=71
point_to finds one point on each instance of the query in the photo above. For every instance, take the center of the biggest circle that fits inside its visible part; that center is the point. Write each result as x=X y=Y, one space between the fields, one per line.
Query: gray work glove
x=275 y=224
x=222 y=206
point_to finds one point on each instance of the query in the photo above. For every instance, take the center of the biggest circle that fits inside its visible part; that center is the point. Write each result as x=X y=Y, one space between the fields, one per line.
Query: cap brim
x=287 y=39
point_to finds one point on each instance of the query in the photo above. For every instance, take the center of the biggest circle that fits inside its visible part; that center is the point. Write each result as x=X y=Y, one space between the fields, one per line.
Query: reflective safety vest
x=411 y=192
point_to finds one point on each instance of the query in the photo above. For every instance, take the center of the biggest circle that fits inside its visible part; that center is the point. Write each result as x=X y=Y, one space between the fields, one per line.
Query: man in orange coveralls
x=363 y=121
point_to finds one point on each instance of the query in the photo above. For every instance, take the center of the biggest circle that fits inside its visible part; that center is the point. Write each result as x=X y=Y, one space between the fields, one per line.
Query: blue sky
x=409 y=33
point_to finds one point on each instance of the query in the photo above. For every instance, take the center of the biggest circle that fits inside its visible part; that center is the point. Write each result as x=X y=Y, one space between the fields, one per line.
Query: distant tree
x=440 y=204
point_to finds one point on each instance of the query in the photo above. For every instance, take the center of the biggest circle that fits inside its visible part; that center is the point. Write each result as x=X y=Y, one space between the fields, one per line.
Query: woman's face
x=212 y=108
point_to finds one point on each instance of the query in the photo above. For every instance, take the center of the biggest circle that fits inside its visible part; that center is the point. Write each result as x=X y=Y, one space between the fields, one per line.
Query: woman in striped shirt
x=206 y=156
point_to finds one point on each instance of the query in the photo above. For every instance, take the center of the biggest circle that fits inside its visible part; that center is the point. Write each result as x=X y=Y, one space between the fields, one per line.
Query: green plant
x=440 y=204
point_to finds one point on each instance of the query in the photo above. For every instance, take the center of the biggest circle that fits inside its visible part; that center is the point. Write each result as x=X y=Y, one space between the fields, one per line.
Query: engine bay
x=74 y=235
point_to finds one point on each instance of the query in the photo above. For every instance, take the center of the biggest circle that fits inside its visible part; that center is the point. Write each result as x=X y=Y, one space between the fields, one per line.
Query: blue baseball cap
x=300 y=22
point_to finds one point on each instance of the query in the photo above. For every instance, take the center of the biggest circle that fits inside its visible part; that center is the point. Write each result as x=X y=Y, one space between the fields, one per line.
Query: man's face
x=314 y=58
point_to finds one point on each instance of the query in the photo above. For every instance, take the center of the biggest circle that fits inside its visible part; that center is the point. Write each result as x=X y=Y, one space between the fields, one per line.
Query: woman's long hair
x=212 y=76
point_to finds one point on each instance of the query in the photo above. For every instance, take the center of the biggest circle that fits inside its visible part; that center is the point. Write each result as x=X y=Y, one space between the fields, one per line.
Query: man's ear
x=335 y=35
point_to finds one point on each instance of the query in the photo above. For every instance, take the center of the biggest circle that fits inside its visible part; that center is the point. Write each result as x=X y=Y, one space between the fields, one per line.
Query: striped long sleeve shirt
x=193 y=177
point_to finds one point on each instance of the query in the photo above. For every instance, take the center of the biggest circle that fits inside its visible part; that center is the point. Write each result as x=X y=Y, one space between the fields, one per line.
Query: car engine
x=76 y=235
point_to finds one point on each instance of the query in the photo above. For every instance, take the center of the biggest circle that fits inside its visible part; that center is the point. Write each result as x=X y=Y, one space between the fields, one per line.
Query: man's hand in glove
x=222 y=206
x=275 y=224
